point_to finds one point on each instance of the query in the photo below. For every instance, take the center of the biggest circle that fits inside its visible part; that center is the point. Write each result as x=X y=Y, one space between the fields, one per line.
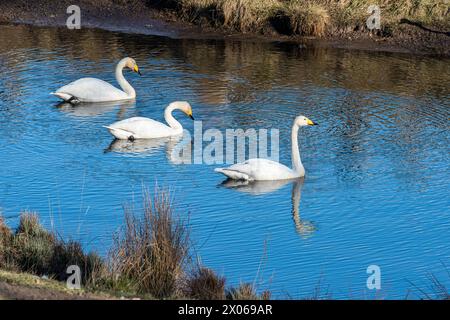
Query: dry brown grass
x=248 y=15
x=303 y=17
x=308 y=19
x=311 y=17
x=351 y=12
x=239 y=15
x=246 y=291
x=194 y=10
x=199 y=5
x=205 y=284
x=5 y=244
x=440 y=290
x=67 y=253
x=151 y=251
x=33 y=245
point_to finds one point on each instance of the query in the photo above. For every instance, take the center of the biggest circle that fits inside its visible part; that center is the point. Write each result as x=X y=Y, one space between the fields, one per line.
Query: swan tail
x=62 y=95
x=233 y=174
x=109 y=128
x=119 y=133
x=66 y=97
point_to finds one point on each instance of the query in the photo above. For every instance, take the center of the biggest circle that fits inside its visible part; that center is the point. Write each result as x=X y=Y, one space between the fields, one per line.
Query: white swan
x=145 y=128
x=264 y=169
x=96 y=90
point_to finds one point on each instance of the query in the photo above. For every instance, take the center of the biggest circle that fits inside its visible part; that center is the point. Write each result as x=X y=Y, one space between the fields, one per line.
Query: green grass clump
x=35 y=250
x=33 y=245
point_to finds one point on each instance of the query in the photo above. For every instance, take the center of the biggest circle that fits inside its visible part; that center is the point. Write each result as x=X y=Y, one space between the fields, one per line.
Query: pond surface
x=377 y=184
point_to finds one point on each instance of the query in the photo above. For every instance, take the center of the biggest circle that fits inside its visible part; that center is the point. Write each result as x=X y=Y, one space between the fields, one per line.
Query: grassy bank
x=151 y=258
x=26 y=286
x=318 y=18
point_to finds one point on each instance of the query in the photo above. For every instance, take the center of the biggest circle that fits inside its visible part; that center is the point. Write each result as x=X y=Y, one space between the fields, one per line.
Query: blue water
x=377 y=184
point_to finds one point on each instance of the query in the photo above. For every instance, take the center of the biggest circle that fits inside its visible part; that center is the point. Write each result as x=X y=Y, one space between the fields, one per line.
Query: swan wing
x=258 y=170
x=90 y=90
x=140 y=128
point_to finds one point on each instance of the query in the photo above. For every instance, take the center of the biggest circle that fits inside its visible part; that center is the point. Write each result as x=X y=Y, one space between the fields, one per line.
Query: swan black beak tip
x=190 y=116
x=139 y=73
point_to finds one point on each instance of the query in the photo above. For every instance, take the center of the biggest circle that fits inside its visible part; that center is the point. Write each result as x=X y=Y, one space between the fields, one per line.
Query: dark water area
x=377 y=183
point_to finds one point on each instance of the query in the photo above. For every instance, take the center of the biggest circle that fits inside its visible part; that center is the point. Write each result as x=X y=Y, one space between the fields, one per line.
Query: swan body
x=258 y=170
x=263 y=169
x=96 y=90
x=141 y=128
x=145 y=128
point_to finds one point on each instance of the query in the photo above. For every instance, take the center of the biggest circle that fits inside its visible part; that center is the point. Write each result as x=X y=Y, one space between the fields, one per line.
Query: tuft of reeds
x=6 y=237
x=70 y=253
x=246 y=291
x=307 y=19
x=151 y=251
x=248 y=15
x=193 y=10
x=439 y=289
x=205 y=284
x=33 y=245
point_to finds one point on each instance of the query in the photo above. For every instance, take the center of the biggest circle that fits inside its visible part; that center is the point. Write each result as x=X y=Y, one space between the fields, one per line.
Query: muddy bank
x=23 y=286
x=139 y=17
x=103 y=14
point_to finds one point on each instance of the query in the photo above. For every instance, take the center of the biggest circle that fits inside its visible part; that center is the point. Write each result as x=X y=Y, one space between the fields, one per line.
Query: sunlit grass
x=310 y=17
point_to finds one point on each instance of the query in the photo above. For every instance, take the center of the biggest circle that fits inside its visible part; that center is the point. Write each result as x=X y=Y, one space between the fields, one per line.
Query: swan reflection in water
x=86 y=109
x=146 y=147
x=303 y=227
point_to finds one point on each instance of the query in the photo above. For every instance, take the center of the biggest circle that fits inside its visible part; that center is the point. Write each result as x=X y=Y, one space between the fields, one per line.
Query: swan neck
x=296 y=160
x=296 y=189
x=171 y=121
x=129 y=90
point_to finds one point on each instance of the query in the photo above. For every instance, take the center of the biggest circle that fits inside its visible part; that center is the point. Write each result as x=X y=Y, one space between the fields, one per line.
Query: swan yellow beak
x=311 y=123
x=189 y=113
x=136 y=69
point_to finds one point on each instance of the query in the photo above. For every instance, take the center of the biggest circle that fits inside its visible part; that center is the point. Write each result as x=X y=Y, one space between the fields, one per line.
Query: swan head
x=183 y=106
x=302 y=121
x=132 y=65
